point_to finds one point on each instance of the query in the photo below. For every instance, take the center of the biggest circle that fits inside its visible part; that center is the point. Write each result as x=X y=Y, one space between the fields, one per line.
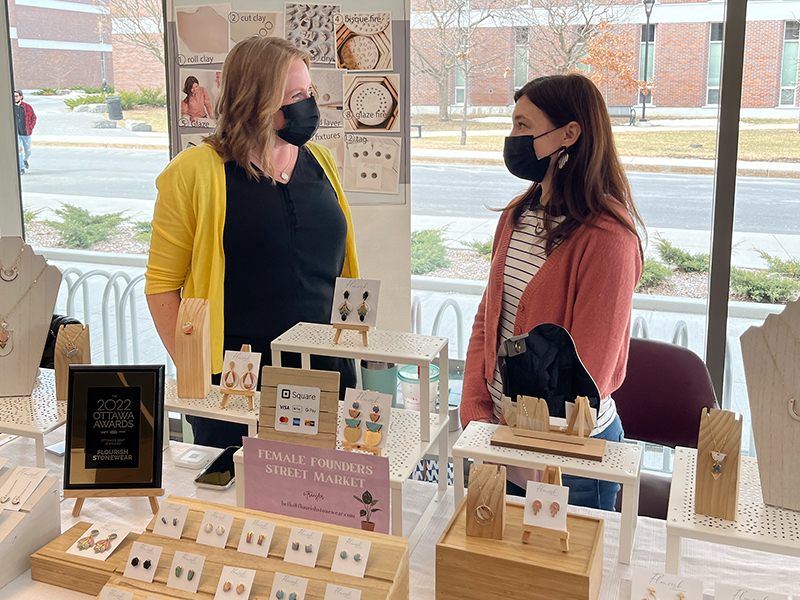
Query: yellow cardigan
x=186 y=250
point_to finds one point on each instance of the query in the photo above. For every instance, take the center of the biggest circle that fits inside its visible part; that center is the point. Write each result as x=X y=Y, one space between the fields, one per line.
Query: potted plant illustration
x=368 y=502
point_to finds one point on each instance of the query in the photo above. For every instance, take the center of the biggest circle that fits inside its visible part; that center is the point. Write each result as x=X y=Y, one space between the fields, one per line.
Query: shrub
x=148 y=97
x=29 y=215
x=91 y=99
x=93 y=90
x=44 y=92
x=760 y=286
x=129 y=99
x=145 y=229
x=681 y=259
x=653 y=274
x=482 y=248
x=428 y=251
x=79 y=229
x=790 y=268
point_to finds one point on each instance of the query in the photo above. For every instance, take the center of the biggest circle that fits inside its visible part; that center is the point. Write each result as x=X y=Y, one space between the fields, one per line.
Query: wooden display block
x=469 y=568
x=386 y=576
x=487 y=489
x=53 y=566
x=716 y=493
x=560 y=444
x=328 y=384
x=533 y=414
x=193 y=348
x=72 y=348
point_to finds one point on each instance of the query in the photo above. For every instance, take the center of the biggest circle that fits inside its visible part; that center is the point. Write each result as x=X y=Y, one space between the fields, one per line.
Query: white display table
x=621 y=464
x=237 y=410
x=757 y=526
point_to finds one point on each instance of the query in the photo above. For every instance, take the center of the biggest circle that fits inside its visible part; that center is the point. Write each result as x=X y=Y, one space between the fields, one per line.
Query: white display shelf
x=36 y=415
x=757 y=526
x=400 y=348
x=237 y=410
x=621 y=464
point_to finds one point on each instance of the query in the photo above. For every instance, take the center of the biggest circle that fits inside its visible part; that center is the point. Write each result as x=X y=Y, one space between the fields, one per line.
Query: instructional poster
x=360 y=67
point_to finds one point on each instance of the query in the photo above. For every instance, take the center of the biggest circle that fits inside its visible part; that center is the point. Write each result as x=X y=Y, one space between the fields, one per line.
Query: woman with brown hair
x=567 y=252
x=254 y=219
x=196 y=104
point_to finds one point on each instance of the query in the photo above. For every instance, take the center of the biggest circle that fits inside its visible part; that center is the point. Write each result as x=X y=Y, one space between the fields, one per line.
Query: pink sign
x=332 y=486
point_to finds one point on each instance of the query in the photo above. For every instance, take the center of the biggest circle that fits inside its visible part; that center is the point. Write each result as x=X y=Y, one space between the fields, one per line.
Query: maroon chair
x=661 y=402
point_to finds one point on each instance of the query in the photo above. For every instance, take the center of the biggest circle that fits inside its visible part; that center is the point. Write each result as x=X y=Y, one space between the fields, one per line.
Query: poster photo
x=364 y=41
x=371 y=164
x=311 y=27
x=371 y=102
x=190 y=140
x=333 y=140
x=203 y=34
x=199 y=90
x=329 y=84
x=246 y=24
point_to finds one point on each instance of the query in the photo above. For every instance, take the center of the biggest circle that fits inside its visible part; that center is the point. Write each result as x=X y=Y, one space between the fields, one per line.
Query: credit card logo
x=296 y=422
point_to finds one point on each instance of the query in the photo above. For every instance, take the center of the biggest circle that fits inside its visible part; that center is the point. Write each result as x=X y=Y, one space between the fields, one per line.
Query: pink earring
x=554 y=508
x=537 y=506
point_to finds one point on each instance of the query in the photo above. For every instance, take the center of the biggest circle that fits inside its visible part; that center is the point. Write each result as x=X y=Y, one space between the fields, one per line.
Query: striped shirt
x=526 y=255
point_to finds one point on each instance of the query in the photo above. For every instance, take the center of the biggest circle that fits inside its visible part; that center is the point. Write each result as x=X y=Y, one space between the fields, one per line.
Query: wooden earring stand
x=364 y=329
x=487 y=486
x=151 y=493
x=193 y=348
x=76 y=336
x=552 y=475
x=228 y=392
x=582 y=413
x=718 y=497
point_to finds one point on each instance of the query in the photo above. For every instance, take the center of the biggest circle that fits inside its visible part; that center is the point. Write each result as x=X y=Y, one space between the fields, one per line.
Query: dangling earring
x=364 y=308
x=229 y=377
x=249 y=379
x=563 y=157
x=345 y=309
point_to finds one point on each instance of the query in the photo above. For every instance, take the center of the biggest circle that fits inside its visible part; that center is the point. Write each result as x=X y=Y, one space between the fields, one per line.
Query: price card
x=19 y=487
x=338 y=592
x=234 y=579
x=351 y=556
x=664 y=585
x=170 y=520
x=289 y=584
x=546 y=506
x=723 y=591
x=109 y=593
x=297 y=409
x=256 y=537
x=99 y=541
x=303 y=547
x=185 y=572
x=215 y=528
x=142 y=562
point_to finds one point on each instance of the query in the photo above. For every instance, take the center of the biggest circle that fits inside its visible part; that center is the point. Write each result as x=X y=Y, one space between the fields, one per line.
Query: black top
x=20 y=120
x=284 y=248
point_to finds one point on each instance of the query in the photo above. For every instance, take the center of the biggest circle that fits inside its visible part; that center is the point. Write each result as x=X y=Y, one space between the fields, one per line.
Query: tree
x=139 y=23
x=445 y=37
x=611 y=67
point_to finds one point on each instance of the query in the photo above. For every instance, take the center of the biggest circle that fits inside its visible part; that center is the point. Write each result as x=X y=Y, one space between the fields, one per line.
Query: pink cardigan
x=586 y=286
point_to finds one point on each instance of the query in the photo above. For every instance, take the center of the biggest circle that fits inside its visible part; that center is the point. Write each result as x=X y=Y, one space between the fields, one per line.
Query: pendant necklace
x=11 y=273
x=284 y=174
x=484 y=515
x=716 y=455
x=70 y=349
x=5 y=334
x=793 y=407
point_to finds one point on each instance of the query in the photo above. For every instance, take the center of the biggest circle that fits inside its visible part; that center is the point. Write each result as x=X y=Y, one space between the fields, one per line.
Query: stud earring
x=295 y=545
x=227 y=586
x=249 y=538
x=344 y=308
x=208 y=528
x=147 y=564
x=220 y=530
x=249 y=379
x=178 y=571
x=309 y=548
x=364 y=308
x=357 y=558
x=240 y=589
x=229 y=377
x=279 y=594
x=260 y=541
x=537 y=506
x=175 y=522
x=554 y=508
x=135 y=561
x=190 y=575
x=343 y=554
x=563 y=157
x=292 y=596
x=164 y=520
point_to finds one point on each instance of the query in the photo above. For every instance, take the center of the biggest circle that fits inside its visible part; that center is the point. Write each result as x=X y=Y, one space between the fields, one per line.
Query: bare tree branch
x=139 y=23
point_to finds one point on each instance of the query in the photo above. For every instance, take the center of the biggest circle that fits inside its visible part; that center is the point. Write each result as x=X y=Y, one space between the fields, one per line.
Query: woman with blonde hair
x=254 y=219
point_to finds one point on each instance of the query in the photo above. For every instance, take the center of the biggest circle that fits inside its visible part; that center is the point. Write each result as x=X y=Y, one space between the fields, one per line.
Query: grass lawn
x=157 y=117
x=777 y=145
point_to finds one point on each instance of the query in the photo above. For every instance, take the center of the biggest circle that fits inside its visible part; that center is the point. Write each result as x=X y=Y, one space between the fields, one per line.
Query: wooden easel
x=228 y=392
x=533 y=414
x=193 y=348
x=76 y=336
x=552 y=475
x=582 y=414
x=718 y=496
x=364 y=329
x=487 y=485
x=81 y=495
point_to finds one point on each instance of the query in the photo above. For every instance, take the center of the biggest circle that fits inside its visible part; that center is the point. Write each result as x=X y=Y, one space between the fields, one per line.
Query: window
x=647 y=46
x=521 y=53
x=461 y=89
x=789 y=63
x=714 y=62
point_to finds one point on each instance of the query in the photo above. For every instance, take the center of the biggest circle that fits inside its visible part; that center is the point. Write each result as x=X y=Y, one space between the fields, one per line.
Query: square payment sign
x=297 y=409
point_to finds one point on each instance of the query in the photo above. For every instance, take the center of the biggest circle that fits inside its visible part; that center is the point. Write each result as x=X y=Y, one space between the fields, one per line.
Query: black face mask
x=521 y=160
x=302 y=121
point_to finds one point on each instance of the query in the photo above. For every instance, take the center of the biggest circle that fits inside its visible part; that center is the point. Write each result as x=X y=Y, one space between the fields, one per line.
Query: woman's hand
x=164 y=309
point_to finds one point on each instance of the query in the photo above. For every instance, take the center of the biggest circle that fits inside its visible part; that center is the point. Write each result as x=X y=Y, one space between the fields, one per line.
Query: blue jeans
x=20 y=151
x=26 y=146
x=594 y=493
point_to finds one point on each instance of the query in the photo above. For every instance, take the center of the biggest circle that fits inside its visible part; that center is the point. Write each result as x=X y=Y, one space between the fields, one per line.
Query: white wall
x=10 y=210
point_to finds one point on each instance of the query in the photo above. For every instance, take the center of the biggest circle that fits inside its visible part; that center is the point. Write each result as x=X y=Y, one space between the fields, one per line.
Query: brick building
x=684 y=55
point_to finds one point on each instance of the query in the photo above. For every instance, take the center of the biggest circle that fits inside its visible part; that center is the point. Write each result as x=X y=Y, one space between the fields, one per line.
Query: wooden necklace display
x=717 y=473
x=72 y=348
x=486 y=501
x=193 y=348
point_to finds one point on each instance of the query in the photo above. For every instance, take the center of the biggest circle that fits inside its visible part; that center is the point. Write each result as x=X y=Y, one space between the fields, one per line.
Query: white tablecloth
x=708 y=562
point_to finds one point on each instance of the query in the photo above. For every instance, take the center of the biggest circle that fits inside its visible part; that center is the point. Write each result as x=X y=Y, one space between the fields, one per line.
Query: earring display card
x=109 y=593
x=100 y=541
x=355 y=302
x=351 y=556
x=184 y=566
x=289 y=584
x=142 y=562
x=215 y=529
x=724 y=591
x=19 y=487
x=546 y=506
x=234 y=579
x=371 y=164
x=651 y=586
x=297 y=409
x=303 y=547
x=338 y=592
x=240 y=371
x=366 y=418
x=256 y=537
x=170 y=520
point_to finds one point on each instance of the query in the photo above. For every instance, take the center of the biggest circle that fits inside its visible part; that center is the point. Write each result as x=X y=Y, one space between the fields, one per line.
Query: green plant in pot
x=368 y=502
